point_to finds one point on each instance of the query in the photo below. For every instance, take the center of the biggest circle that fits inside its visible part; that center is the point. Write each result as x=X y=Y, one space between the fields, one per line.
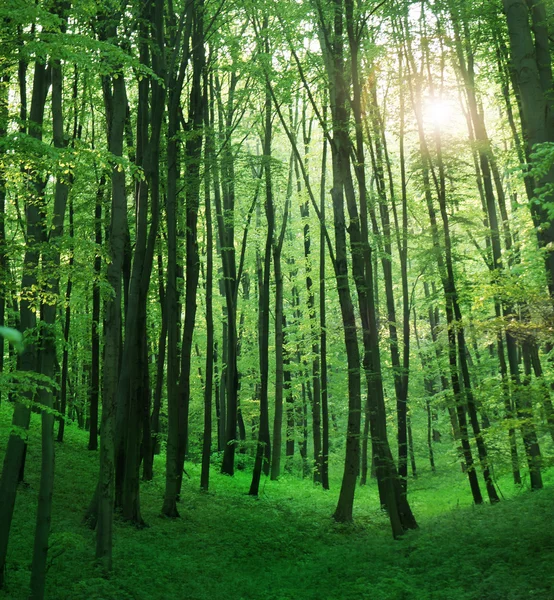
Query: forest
x=276 y=299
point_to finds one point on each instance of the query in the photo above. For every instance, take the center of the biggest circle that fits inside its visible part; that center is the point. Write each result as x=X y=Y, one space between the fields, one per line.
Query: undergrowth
x=284 y=544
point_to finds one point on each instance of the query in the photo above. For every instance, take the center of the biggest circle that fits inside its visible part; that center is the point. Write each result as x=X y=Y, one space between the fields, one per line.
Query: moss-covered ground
x=284 y=544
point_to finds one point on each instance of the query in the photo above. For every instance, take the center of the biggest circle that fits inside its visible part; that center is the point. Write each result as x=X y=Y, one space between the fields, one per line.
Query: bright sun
x=439 y=113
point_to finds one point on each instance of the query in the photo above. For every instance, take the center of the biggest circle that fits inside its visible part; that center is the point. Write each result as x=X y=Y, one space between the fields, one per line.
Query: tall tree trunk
x=530 y=57
x=444 y=262
x=210 y=350
x=15 y=451
x=47 y=352
x=310 y=304
x=115 y=101
x=340 y=147
x=279 y=338
x=62 y=404
x=225 y=211
x=380 y=160
x=4 y=82
x=289 y=404
x=323 y=328
x=263 y=448
x=148 y=465
x=485 y=165
x=95 y=325
x=193 y=148
x=176 y=78
x=133 y=387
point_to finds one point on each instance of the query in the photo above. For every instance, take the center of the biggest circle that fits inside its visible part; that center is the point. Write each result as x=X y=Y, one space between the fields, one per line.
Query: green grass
x=284 y=545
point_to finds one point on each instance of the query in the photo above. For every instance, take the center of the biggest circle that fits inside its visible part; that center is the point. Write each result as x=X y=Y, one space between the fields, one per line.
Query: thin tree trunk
x=323 y=326
x=192 y=202
x=316 y=381
x=447 y=277
x=279 y=339
x=133 y=383
x=289 y=404
x=4 y=82
x=66 y=327
x=430 y=392
x=226 y=229
x=148 y=467
x=335 y=70
x=263 y=454
x=210 y=350
x=95 y=325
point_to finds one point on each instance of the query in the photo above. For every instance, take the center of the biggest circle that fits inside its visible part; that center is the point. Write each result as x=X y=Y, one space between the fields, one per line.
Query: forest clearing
x=276 y=299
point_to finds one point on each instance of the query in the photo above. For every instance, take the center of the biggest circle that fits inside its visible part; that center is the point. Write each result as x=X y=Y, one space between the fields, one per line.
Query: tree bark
x=115 y=101
x=176 y=78
x=279 y=338
x=35 y=235
x=210 y=350
x=530 y=58
x=263 y=448
x=95 y=325
x=47 y=352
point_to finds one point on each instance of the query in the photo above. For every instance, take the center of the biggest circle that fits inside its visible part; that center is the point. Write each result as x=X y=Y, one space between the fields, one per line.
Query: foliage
x=14 y=337
x=453 y=226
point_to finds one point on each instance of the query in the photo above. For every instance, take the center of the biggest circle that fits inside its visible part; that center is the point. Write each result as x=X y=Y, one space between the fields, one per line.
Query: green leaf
x=14 y=337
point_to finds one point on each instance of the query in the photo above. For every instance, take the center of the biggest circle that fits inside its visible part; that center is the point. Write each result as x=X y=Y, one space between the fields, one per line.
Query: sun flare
x=439 y=113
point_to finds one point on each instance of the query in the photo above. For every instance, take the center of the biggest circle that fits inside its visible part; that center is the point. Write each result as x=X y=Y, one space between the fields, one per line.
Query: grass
x=284 y=545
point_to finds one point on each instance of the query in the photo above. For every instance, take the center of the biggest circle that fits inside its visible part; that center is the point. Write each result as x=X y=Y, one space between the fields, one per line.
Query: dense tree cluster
x=266 y=235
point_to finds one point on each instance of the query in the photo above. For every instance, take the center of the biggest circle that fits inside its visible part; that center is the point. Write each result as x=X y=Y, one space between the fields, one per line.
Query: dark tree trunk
x=47 y=352
x=530 y=58
x=210 y=350
x=335 y=70
x=225 y=212
x=192 y=201
x=263 y=454
x=115 y=102
x=447 y=277
x=95 y=326
x=380 y=160
x=133 y=388
x=289 y=404
x=323 y=328
x=176 y=78
x=430 y=392
x=310 y=305
x=15 y=451
x=4 y=82
x=153 y=425
x=279 y=339
x=66 y=327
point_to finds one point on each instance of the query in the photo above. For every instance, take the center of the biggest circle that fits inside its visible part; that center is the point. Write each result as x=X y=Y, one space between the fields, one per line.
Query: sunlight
x=439 y=113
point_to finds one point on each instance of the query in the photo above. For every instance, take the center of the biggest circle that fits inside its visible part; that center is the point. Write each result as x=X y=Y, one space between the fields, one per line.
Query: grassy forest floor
x=284 y=545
